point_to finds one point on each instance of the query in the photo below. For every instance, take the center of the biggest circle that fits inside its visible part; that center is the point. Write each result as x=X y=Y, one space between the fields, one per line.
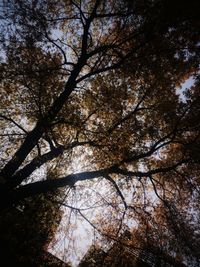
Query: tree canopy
x=91 y=89
x=26 y=231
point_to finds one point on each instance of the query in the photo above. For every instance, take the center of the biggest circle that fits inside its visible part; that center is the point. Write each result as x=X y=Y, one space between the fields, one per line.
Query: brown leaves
x=100 y=81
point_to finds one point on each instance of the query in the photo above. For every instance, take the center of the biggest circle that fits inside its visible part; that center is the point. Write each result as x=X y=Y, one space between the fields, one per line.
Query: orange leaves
x=118 y=69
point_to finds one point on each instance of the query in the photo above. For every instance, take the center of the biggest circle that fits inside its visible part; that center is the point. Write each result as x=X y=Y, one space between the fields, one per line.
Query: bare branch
x=108 y=177
x=14 y=122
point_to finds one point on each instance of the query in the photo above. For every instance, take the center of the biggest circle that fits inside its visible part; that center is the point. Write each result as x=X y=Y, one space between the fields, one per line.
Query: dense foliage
x=27 y=230
x=91 y=90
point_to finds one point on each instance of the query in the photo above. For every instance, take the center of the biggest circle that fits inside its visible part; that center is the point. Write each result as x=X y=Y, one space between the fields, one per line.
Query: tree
x=94 y=83
x=26 y=231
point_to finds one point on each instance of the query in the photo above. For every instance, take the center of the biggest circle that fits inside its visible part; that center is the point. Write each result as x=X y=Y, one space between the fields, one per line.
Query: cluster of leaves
x=94 y=83
x=27 y=230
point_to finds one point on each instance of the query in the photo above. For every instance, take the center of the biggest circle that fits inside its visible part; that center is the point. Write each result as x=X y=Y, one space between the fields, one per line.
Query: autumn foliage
x=91 y=90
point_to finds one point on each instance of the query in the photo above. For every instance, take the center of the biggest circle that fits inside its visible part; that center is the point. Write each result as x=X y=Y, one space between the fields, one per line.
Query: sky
x=186 y=85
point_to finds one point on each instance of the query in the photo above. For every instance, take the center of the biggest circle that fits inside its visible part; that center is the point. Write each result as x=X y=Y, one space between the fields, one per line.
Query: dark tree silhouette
x=95 y=83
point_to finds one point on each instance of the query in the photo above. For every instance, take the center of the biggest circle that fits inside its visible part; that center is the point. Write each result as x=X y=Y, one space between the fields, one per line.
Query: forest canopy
x=91 y=102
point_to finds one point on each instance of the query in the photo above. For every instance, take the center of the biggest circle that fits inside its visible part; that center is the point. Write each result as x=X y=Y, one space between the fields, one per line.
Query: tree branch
x=35 y=188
